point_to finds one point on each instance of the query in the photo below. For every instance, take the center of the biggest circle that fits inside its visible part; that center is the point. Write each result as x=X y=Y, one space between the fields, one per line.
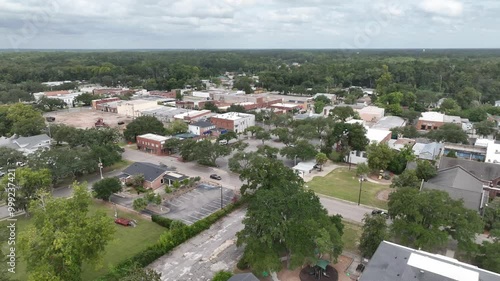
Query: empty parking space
x=198 y=204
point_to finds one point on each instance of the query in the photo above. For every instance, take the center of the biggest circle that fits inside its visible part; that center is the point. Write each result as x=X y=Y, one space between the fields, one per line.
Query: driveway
x=202 y=256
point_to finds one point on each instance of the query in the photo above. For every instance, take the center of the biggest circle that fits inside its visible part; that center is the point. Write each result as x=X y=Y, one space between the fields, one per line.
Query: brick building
x=434 y=120
x=100 y=104
x=233 y=121
x=152 y=143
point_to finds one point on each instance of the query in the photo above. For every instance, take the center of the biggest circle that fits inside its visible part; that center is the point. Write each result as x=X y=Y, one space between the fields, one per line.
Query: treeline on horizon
x=444 y=72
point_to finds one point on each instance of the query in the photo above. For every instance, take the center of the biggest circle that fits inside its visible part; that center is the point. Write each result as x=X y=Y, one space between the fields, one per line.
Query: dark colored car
x=121 y=123
x=215 y=177
x=379 y=212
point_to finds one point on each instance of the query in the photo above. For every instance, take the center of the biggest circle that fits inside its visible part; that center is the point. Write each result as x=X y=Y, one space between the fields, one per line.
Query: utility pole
x=360 y=186
x=100 y=167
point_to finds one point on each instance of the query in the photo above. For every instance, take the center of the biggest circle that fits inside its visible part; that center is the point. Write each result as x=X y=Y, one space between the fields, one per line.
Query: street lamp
x=360 y=186
x=100 y=167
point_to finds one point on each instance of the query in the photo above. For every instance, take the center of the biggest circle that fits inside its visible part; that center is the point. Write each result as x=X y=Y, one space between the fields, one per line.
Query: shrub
x=242 y=264
x=167 y=242
x=165 y=222
x=222 y=276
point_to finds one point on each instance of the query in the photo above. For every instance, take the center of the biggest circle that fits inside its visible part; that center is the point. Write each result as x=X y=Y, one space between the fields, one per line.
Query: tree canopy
x=64 y=235
x=143 y=125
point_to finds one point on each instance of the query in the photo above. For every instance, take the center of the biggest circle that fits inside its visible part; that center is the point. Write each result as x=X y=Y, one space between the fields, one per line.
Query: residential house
x=234 y=121
x=427 y=151
x=393 y=262
x=152 y=143
x=201 y=127
x=401 y=143
x=27 y=145
x=434 y=120
x=460 y=184
x=153 y=174
x=488 y=173
x=374 y=136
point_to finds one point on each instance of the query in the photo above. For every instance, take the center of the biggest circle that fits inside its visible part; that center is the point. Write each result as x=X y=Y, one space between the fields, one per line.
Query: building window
x=422 y=127
x=162 y=181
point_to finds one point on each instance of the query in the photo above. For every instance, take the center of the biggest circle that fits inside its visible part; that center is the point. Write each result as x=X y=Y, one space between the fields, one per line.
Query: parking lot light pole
x=360 y=184
x=221 y=198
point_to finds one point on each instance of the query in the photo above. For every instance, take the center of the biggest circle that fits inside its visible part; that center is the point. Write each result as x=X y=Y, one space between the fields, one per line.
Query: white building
x=133 y=108
x=234 y=121
x=198 y=94
x=373 y=136
x=492 y=150
x=497 y=103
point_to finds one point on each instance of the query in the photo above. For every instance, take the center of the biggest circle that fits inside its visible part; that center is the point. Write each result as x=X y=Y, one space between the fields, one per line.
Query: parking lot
x=198 y=204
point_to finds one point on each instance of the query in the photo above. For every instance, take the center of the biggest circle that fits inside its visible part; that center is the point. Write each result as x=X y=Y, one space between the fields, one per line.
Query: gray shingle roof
x=459 y=184
x=390 y=263
x=484 y=171
x=149 y=170
x=243 y=277
x=202 y=124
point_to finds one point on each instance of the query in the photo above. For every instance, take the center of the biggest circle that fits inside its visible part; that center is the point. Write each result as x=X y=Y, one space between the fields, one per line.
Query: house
x=243 y=277
x=27 y=145
x=393 y=262
x=389 y=122
x=234 y=121
x=460 y=184
x=434 y=120
x=371 y=113
x=202 y=127
x=400 y=143
x=427 y=151
x=373 y=136
x=488 y=173
x=152 y=143
x=153 y=174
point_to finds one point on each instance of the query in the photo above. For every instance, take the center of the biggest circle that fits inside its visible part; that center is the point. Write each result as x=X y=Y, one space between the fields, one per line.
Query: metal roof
x=150 y=171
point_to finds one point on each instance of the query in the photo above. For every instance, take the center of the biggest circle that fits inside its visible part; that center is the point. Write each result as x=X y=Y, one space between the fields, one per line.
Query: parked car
x=121 y=122
x=50 y=119
x=380 y=212
x=215 y=177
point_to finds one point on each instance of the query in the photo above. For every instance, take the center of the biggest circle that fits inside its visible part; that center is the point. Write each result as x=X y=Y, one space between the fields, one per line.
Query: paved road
x=199 y=258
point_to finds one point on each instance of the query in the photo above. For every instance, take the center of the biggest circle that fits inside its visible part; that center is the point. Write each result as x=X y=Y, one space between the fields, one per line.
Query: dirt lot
x=86 y=117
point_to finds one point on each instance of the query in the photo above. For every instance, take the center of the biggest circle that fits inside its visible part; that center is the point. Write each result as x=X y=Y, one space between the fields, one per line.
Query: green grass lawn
x=127 y=242
x=352 y=233
x=343 y=184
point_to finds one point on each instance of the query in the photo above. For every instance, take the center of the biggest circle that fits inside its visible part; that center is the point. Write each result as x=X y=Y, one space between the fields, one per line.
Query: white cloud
x=450 y=8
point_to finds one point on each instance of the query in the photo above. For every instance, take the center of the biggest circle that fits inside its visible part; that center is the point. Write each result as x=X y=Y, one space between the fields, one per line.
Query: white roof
x=417 y=148
x=493 y=153
x=191 y=113
x=154 y=137
x=432 y=116
x=377 y=135
x=483 y=142
x=372 y=109
x=290 y=105
x=233 y=115
x=451 y=271
x=305 y=166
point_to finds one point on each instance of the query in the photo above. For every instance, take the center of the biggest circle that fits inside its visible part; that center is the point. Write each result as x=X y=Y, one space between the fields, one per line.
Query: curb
x=348 y=202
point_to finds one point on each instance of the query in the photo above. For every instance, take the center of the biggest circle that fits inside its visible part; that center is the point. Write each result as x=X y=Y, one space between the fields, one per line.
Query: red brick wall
x=222 y=123
x=151 y=146
x=433 y=125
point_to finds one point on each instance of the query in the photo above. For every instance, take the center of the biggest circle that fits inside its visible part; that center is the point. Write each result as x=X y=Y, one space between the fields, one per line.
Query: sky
x=248 y=24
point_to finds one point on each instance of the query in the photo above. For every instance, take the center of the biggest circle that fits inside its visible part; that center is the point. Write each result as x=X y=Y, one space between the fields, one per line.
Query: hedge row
x=165 y=222
x=167 y=242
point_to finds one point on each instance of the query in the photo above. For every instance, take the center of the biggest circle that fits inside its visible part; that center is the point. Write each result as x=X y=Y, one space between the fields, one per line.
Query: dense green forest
x=436 y=71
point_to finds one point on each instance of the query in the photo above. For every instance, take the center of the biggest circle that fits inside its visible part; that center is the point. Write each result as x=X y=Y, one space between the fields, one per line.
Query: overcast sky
x=224 y=24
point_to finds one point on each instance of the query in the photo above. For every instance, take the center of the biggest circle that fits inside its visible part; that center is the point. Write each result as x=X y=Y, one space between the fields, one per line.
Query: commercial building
x=389 y=122
x=102 y=104
x=164 y=114
x=153 y=174
x=152 y=143
x=134 y=108
x=234 y=121
x=201 y=127
x=286 y=107
x=194 y=115
x=371 y=113
x=393 y=262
